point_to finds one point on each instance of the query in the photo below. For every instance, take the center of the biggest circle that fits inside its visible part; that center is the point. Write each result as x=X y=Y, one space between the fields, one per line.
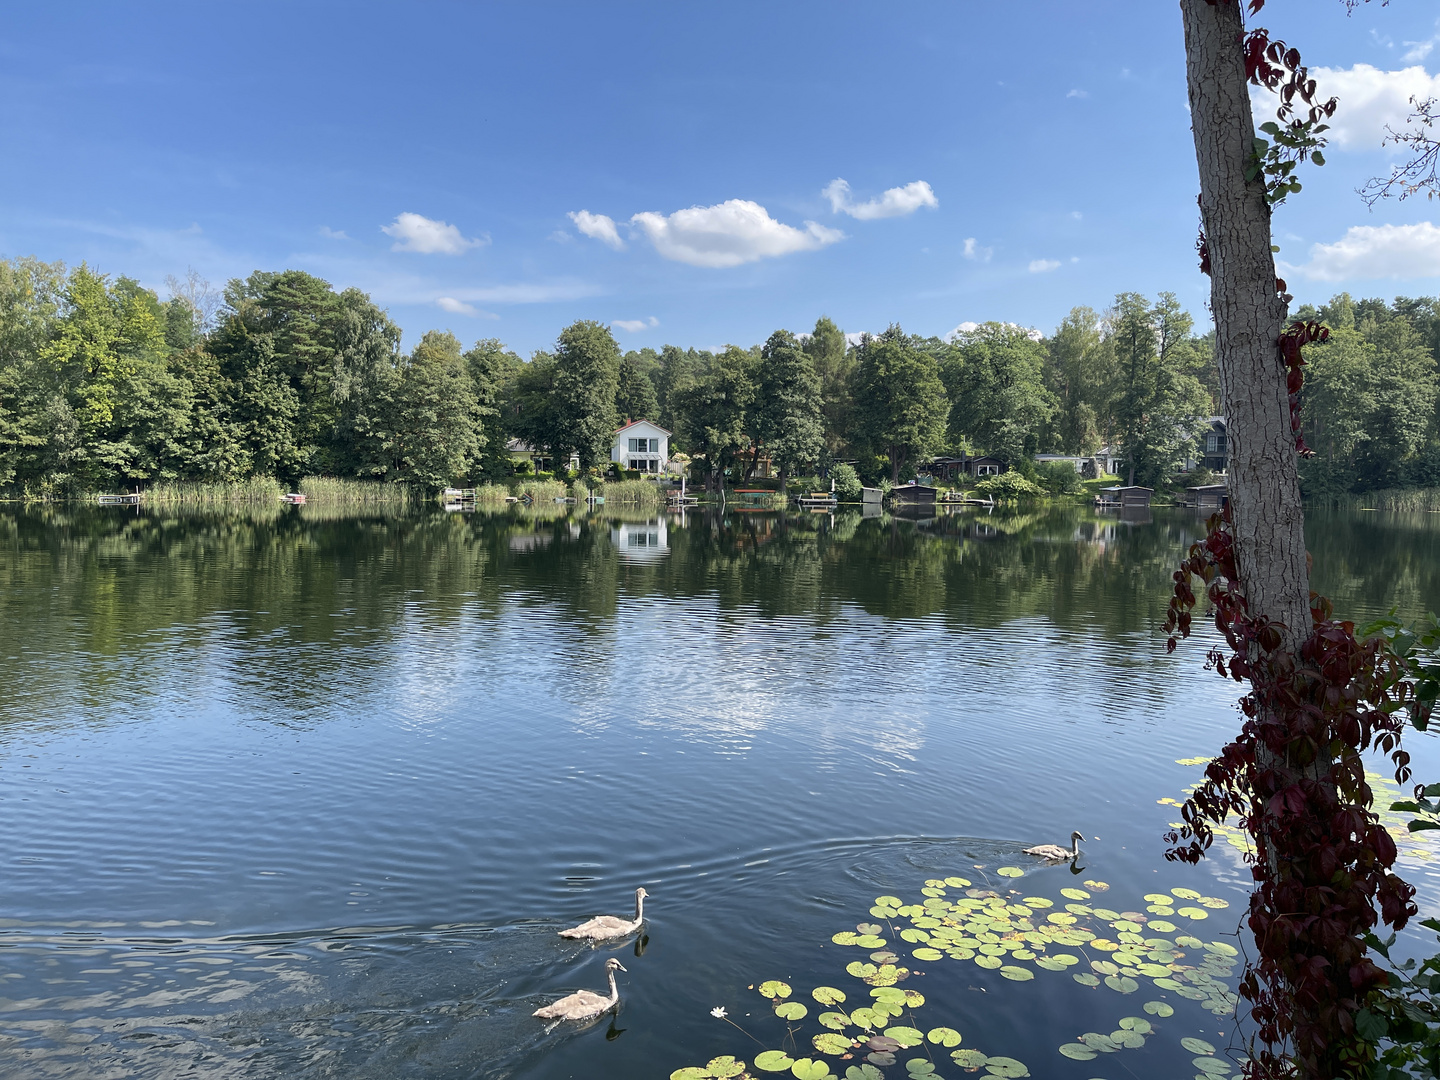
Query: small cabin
x=1208 y=496
x=872 y=496
x=1123 y=496
x=913 y=495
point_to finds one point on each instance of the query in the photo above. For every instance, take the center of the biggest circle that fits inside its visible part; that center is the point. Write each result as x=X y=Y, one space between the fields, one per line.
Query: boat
x=294 y=498
x=130 y=499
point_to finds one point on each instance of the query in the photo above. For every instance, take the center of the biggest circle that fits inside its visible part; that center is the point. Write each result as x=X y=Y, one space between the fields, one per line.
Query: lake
x=289 y=794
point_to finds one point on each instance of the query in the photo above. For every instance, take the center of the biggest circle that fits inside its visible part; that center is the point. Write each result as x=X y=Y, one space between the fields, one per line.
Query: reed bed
x=1390 y=499
x=632 y=493
x=257 y=489
x=542 y=491
x=361 y=494
x=491 y=495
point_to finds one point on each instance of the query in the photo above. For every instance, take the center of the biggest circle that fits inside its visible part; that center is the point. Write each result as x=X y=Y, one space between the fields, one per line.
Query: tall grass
x=1407 y=499
x=361 y=494
x=632 y=493
x=258 y=489
x=542 y=491
x=491 y=495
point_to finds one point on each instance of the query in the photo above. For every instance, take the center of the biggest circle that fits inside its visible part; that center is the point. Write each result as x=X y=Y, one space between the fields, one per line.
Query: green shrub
x=1010 y=485
x=847 y=483
x=1058 y=477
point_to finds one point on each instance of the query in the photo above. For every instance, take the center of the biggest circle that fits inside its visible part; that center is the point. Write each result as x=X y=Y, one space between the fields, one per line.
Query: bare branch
x=1419 y=173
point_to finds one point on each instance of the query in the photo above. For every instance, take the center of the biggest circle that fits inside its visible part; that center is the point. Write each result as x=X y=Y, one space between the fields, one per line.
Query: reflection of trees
x=1367 y=562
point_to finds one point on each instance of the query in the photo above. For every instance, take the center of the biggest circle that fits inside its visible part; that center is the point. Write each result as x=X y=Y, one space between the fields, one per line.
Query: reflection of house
x=642 y=447
x=540 y=460
x=641 y=541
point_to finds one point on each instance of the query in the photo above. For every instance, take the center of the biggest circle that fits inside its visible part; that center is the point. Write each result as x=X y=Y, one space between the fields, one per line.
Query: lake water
x=289 y=795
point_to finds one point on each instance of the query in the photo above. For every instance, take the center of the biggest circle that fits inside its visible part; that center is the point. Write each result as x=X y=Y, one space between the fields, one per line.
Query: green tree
x=31 y=294
x=493 y=369
x=788 y=419
x=677 y=372
x=635 y=397
x=900 y=404
x=1080 y=374
x=833 y=361
x=586 y=379
x=434 y=424
x=1161 y=401
x=999 y=402
x=712 y=410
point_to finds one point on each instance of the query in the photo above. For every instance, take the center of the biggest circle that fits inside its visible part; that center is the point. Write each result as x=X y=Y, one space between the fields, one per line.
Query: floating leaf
x=690 y=1072
x=1159 y=1008
x=1017 y=974
x=835 y=1021
x=957 y=882
x=1197 y=1046
x=1096 y=1041
x=1084 y=978
x=1160 y=909
x=724 y=1067
x=1163 y=926
x=775 y=989
x=919 y=1067
x=991 y=962
x=1075 y=894
x=913 y=998
x=1155 y=971
x=1169 y=984
x=895 y=901
x=969 y=1059
x=1158 y=898
x=1049 y=963
x=869 y=941
x=863 y=1072
x=1006 y=1066
x=828 y=995
x=927 y=954
x=881 y=1057
x=846 y=937
x=1010 y=871
x=1106 y=914
x=1214 y=902
x=864 y=1018
x=1098 y=886
x=887 y=975
x=1211 y=1066
x=884 y=956
x=808 y=1069
x=1122 y=984
x=791 y=1010
x=1078 y=1051
x=944 y=1036
x=1194 y=913
x=774 y=1061
x=869 y=928
x=1137 y=1024
x=1186 y=894
x=883 y=1043
x=828 y=1042
x=1189 y=941
x=912 y=935
x=888 y=993
x=905 y=1036
x=860 y=970
x=1104 y=944
x=1222 y=949
x=1104 y=967
x=1038 y=902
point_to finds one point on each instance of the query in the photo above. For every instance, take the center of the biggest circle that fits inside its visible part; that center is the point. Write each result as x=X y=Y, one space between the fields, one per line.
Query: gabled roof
x=632 y=423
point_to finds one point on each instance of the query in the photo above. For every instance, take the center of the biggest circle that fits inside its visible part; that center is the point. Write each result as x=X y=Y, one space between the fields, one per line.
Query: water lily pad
x=722 y=1068
x=690 y=1072
x=888 y=993
x=1194 y=913
x=943 y=1036
x=1098 y=886
x=991 y=962
x=883 y=1043
x=913 y=999
x=958 y=882
x=1006 y=1066
x=1084 y=978
x=774 y=1061
x=1188 y=941
x=863 y=1072
x=809 y=1069
x=1137 y=1024
x=1159 y=1008
x=1210 y=1066
x=865 y=1018
x=895 y=901
x=1186 y=894
x=861 y=970
x=1105 y=913
x=775 y=989
x=1170 y=984
x=1160 y=909
x=1078 y=1052
x=869 y=928
x=1214 y=902
x=1104 y=944
x=1010 y=871
x=1163 y=926
x=1122 y=984
x=827 y=1042
x=835 y=1021
x=905 y=1036
x=933 y=890
x=828 y=995
x=881 y=1057
x=1197 y=1046
x=1222 y=949
x=969 y=1059
x=845 y=937
x=869 y=941
x=1017 y=974
x=1038 y=902
x=887 y=975
x=927 y=954
x=884 y=956
x=1060 y=918
x=1049 y=963
x=1104 y=967
x=919 y=1067
x=1096 y=1041
x=791 y=1010
x=1154 y=971
x=912 y=934
x=1075 y=894
x=1157 y=898
x=1129 y=926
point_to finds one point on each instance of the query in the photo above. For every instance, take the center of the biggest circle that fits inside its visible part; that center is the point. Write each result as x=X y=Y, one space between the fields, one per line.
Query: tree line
x=104 y=384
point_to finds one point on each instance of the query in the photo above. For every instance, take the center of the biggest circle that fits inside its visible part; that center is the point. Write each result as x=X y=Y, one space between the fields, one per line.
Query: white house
x=641 y=446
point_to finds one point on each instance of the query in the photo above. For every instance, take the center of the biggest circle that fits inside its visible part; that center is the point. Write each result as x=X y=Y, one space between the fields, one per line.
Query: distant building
x=950 y=468
x=539 y=460
x=1214 y=445
x=641 y=446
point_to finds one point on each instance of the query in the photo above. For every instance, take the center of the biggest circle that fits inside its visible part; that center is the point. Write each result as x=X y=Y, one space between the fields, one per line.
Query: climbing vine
x=1295 y=778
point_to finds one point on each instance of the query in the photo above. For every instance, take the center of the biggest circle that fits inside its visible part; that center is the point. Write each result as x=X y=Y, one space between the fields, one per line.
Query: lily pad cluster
x=868 y=1032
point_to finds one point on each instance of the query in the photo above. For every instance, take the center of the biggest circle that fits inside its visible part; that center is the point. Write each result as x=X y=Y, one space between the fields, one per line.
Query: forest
x=104 y=385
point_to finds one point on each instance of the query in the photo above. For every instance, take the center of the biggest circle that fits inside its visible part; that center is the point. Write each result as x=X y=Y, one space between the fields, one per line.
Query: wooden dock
x=132 y=499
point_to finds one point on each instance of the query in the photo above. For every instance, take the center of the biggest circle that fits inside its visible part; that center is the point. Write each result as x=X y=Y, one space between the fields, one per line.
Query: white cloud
x=634 y=326
x=1419 y=50
x=1078 y=94
x=895 y=202
x=1043 y=266
x=1370 y=100
x=728 y=234
x=973 y=250
x=597 y=227
x=854 y=338
x=456 y=307
x=333 y=234
x=425 y=237
x=1377 y=251
x=963 y=328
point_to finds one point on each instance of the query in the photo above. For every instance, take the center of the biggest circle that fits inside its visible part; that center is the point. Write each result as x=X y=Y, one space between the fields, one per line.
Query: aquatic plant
x=258 y=489
x=631 y=493
x=366 y=494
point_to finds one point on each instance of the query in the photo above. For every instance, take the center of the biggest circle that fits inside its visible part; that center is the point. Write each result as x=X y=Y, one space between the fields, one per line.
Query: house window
x=1212 y=444
x=987 y=470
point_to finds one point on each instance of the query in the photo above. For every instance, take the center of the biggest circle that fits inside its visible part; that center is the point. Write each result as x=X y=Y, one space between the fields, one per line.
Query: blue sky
x=504 y=169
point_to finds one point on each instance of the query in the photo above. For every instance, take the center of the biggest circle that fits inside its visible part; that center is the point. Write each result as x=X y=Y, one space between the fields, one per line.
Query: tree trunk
x=1269 y=526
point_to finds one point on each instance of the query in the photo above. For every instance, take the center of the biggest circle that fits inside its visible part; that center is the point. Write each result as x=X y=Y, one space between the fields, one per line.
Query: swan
x=584 y=1004
x=603 y=927
x=1056 y=853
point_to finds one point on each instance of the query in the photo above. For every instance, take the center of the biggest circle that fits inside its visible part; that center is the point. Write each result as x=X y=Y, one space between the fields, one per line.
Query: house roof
x=632 y=423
